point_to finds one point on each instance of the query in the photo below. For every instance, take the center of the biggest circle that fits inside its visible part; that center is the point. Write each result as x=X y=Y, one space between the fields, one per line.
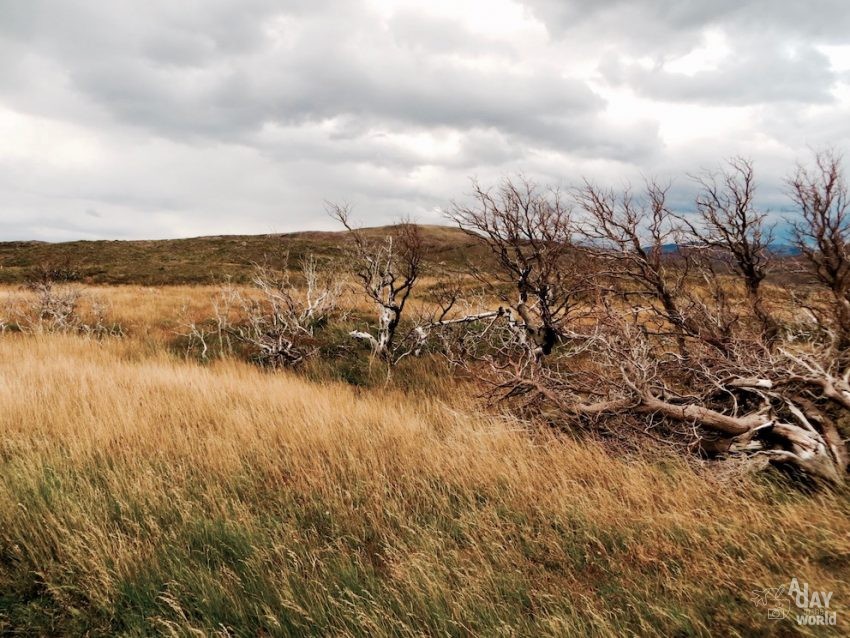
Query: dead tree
x=722 y=392
x=56 y=305
x=640 y=243
x=387 y=270
x=759 y=409
x=530 y=232
x=730 y=223
x=821 y=235
x=450 y=317
x=778 y=406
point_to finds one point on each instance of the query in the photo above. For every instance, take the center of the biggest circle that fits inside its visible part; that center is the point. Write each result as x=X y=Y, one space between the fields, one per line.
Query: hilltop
x=202 y=260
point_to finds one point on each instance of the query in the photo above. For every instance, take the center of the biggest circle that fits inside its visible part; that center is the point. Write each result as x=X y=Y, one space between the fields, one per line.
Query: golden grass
x=142 y=494
x=159 y=313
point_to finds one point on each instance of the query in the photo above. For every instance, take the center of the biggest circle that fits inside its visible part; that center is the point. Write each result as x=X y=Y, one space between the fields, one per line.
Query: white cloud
x=229 y=116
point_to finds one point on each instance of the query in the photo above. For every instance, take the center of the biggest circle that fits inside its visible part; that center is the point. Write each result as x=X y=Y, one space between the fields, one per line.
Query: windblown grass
x=144 y=494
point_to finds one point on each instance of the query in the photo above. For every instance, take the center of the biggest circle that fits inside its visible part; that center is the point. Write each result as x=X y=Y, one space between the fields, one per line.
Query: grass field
x=143 y=493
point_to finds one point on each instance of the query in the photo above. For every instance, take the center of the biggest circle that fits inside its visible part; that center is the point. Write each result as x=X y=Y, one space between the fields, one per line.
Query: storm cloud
x=160 y=119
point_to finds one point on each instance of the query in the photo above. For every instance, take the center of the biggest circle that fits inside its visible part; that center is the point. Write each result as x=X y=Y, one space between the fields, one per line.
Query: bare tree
x=822 y=233
x=639 y=241
x=388 y=271
x=450 y=317
x=729 y=222
x=722 y=392
x=758 y=406
x=56 y=305
x=530 y=232
x=772 y=406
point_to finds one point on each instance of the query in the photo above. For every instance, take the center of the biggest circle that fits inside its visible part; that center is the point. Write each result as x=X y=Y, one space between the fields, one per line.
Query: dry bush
x=50 y=302
x=276 y=320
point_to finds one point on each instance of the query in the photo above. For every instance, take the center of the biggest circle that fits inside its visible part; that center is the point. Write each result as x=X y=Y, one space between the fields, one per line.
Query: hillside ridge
x=204 y=259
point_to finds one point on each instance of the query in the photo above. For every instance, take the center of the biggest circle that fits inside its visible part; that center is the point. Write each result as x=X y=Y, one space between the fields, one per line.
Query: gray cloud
x=758 y=73
x=653 y=25
x=773 y=54
x=176 y=118
x=225 y=72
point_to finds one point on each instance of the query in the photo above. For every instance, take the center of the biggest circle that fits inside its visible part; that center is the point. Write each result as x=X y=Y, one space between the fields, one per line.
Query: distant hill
x=207 y=259
x=213 y=259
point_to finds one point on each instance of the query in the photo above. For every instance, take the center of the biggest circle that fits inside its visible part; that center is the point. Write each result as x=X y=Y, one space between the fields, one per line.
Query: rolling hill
x=205 y=259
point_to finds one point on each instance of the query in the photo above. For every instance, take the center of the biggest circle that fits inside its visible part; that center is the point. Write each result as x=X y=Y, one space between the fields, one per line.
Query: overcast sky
x=164 y=118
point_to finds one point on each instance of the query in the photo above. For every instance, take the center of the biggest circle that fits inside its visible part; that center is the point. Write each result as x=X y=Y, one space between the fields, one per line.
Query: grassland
x=144 y=493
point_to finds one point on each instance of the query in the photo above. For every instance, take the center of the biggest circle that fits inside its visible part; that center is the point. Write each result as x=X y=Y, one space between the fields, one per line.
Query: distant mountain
x=779 y=249
x=785 y=250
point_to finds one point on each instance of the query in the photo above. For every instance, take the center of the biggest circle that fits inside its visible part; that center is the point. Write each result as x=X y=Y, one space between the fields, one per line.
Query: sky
x=154 y=119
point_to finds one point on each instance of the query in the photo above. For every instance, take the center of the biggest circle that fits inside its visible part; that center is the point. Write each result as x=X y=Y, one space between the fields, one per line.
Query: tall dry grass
x=144 y=494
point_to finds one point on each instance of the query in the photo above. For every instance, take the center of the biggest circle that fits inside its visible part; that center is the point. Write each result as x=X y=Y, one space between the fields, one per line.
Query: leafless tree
x=530 y=232
x=777 y=406
x=55 y=306
x=729 y=222
x=388 y=271
x=762 y=405
x=822 y=232
x=450 y=317
x=721 y=392
x=640 y=242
